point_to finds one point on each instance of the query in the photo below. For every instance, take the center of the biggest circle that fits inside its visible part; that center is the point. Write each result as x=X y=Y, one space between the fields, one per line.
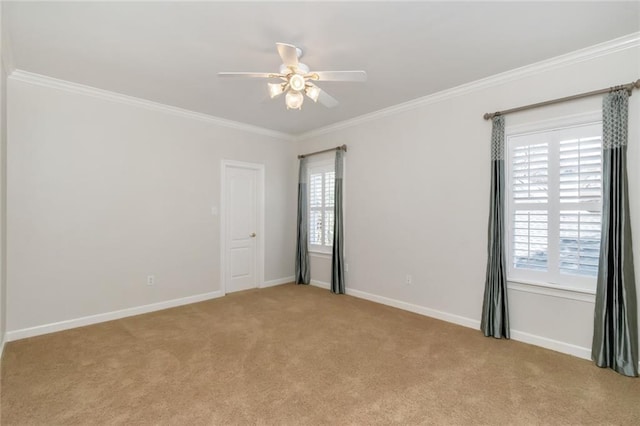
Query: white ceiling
x=170 y=52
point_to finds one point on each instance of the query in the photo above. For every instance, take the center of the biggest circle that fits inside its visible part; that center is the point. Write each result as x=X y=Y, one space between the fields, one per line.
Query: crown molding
x=622 y=43
x=618 y=44
x=68 y=86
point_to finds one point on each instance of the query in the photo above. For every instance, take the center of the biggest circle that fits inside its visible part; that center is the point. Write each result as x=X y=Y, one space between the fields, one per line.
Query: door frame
x=260 y=206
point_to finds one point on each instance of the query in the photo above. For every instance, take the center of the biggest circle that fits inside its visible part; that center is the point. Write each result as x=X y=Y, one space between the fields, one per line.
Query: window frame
x=549 y=279
x=318 y=166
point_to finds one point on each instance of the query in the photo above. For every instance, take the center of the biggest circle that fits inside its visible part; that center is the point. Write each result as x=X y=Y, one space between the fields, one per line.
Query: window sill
x=317 y=253
x=545 y=289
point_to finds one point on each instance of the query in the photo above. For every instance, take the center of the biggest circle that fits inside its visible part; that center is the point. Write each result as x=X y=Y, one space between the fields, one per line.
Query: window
x=321 y=202
x=554 y=204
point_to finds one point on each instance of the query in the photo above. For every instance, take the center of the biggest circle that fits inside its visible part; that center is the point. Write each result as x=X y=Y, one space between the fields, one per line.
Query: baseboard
x=417 y=309
x=554 y=345
x=520 y=336
x=107 y=316
x=279 y=281
x=320 y=284
x=456 y=319
x=3 y=338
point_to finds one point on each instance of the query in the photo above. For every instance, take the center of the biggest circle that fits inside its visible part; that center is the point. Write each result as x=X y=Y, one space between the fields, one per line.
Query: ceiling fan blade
x=326 y=99
x=340 y=75
x=249 y=74
x=288 y=53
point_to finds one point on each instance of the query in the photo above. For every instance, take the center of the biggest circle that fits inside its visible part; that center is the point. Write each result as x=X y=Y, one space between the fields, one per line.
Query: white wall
x=3 y=144
x=418 y=194
x=103 y=193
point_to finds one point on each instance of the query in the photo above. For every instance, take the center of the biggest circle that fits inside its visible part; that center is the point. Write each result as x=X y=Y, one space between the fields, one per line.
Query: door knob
x=252 y=235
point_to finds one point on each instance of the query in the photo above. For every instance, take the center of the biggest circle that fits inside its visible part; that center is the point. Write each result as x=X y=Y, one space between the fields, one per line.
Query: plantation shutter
x=580 y=201
x=554 y=205
x=530 y=189
x=321 y=205
x=315 y=208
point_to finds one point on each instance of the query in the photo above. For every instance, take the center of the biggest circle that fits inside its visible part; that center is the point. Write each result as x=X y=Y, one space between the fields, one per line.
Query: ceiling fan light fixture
x=294 y=99
x=275 y=89
x=313 y=92
x=296 y=81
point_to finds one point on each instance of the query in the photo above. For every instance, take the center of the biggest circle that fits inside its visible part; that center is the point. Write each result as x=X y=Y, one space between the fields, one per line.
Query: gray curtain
x=303 y=274
x=495 y=310
x=337 y=260
x=615 y=328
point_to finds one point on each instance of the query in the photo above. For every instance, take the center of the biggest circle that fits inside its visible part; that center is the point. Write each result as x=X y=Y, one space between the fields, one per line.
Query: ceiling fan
x=297 y=79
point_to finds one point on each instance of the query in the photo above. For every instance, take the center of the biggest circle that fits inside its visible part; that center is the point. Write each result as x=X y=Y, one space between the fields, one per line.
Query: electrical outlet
x=408 y=280
x=346 y=267
x=151 y=279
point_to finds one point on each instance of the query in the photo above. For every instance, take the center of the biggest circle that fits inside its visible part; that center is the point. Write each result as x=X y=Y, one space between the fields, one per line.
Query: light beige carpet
x=300 y=355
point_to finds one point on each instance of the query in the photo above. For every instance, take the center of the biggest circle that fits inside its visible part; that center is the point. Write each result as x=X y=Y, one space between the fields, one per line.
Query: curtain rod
x=629 y=87
x=337 y=148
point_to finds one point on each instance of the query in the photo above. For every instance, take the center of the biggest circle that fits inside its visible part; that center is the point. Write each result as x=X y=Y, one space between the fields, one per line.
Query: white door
x=242 y=206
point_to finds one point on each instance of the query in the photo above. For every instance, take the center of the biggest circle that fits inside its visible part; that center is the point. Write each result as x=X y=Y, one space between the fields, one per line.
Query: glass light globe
x=313 y=92
x=294 y=100
x=275 y=89
x=296 y=81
